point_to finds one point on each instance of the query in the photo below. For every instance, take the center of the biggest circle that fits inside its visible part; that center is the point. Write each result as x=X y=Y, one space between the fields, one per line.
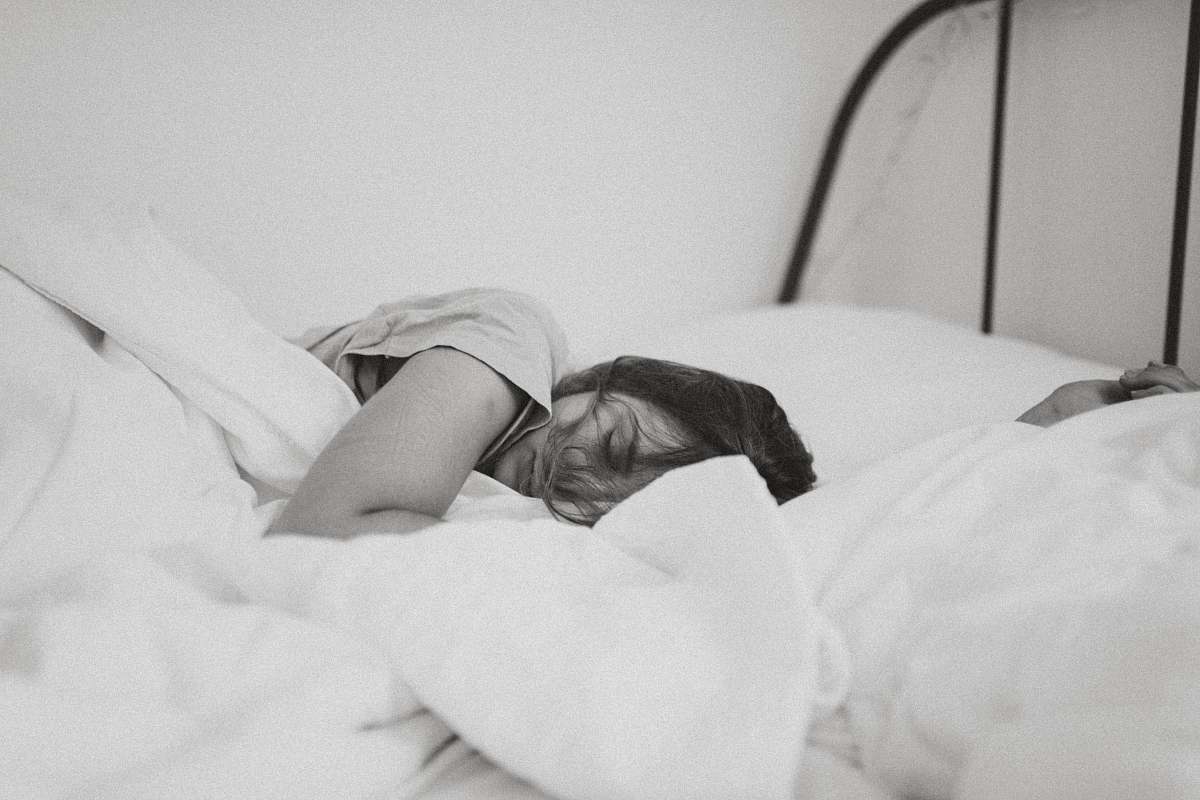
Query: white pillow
x=861 y=383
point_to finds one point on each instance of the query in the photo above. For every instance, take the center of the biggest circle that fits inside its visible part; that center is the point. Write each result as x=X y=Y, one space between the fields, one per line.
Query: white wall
x=635 y=163
x=1106 y=79
x=631 y=162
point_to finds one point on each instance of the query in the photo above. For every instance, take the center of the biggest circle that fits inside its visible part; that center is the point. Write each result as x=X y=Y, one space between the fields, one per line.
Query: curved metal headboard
x=914 y=20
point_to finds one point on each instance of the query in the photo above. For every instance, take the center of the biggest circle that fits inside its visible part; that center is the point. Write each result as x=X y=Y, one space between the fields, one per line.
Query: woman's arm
x=400 y=461
x=1075 y=398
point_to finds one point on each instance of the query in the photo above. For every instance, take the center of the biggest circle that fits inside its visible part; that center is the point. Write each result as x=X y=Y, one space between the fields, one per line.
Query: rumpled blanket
x=1002 y=611
x=153 y=644
x=1022 y=606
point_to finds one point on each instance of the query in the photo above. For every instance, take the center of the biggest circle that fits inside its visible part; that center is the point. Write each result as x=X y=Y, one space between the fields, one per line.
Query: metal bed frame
x=914 y=20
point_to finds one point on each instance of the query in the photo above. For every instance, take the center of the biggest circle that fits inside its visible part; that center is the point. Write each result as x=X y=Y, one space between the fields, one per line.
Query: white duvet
x=153 y=644
x=1022 y=606
x=998 y=612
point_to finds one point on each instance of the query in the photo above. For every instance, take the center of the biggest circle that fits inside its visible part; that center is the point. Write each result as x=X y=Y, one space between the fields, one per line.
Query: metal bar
x=1000 y=98
x=1183 y=188
x=835 y=139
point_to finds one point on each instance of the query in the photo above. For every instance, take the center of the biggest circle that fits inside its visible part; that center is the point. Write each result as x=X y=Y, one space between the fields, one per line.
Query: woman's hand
x=1157 y=378
x=1075 y=398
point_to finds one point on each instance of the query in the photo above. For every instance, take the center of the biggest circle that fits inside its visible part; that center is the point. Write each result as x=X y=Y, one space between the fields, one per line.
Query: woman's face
x=615 y=424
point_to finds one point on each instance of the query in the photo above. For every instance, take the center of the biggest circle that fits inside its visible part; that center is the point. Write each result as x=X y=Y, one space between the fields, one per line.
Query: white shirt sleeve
x=511 y=332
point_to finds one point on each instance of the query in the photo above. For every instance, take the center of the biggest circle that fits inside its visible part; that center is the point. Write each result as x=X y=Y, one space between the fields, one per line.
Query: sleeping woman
x=473 y=380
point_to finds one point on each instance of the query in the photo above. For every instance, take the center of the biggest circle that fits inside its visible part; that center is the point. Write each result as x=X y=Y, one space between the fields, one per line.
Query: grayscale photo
x=582 y=400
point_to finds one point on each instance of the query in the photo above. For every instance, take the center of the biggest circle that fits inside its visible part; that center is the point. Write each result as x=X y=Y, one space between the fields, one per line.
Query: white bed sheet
x=952 y=609
x=153 y=644
x=1021 y=606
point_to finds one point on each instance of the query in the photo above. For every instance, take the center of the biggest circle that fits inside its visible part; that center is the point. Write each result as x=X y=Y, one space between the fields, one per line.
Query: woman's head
x=619 y=425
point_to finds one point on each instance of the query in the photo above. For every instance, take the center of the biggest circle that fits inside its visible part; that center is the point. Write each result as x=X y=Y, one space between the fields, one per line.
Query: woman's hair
x=700 y=414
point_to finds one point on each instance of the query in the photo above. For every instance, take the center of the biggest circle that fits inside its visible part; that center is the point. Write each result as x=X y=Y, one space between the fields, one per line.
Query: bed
x=967 y=607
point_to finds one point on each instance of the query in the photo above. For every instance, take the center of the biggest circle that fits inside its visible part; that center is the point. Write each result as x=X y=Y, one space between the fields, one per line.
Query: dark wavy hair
x=703 y=414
